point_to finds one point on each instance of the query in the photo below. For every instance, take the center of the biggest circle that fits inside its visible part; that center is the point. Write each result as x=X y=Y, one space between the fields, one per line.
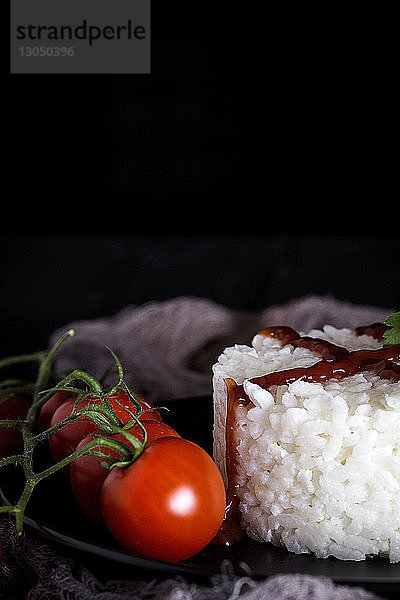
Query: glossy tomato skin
x=64 y=441
x=14 y=407
x=87 y=475
x=167 y=505
x=122 y=398
x=49 y=408
x=154 y=430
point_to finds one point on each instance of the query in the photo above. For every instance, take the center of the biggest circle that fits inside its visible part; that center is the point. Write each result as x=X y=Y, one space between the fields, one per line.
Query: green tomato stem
x=14 y=360
x=11 y=422
x=98 y=441
x=77 y=374
x=45 y=434
x=120 y=373
x=11 y=460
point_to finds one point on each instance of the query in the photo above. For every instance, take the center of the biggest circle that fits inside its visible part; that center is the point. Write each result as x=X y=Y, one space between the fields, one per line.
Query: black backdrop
x=253 y=165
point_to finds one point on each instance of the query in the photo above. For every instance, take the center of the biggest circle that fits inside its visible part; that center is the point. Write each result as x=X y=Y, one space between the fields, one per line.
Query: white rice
x=318 y=464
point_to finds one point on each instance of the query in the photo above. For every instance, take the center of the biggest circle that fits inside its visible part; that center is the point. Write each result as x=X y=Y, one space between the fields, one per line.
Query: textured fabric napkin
x=167 y=350
x=33 y=570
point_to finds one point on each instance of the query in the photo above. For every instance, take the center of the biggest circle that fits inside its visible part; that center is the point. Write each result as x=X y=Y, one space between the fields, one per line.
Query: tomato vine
x=83 y=386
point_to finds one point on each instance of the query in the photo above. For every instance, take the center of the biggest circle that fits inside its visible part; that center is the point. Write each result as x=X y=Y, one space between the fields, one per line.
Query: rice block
x=313 y=462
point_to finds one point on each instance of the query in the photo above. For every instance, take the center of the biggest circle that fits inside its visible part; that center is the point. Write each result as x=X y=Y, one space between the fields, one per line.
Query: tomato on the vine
x=168 y=504
x=87 y=475
x=13 y=407
x=122 y=398
x=49 y=408
x=64 y=441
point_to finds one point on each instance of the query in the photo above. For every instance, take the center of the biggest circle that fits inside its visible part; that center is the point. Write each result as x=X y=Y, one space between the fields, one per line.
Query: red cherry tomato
x=167 y=505
x=154 y=430
x=121 y=397
x=87 y=475
x=49 y=408
x=14 y=407
x=64 y=441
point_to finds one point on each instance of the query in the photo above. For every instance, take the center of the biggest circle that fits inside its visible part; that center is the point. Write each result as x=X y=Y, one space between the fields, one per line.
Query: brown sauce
x=231 y=530
x=336 y=363
x=376 y=330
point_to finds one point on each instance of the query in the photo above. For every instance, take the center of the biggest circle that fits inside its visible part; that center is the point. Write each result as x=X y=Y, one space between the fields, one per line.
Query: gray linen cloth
x=167 y=349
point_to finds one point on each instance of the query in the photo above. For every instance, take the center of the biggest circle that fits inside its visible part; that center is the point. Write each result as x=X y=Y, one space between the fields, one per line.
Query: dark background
x=254 y=165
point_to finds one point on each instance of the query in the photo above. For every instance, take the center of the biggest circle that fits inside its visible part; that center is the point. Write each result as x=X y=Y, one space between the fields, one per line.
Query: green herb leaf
x=392 y=336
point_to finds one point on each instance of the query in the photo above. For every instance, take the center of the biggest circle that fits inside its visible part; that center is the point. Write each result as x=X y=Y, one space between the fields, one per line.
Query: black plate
x=54 y=515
